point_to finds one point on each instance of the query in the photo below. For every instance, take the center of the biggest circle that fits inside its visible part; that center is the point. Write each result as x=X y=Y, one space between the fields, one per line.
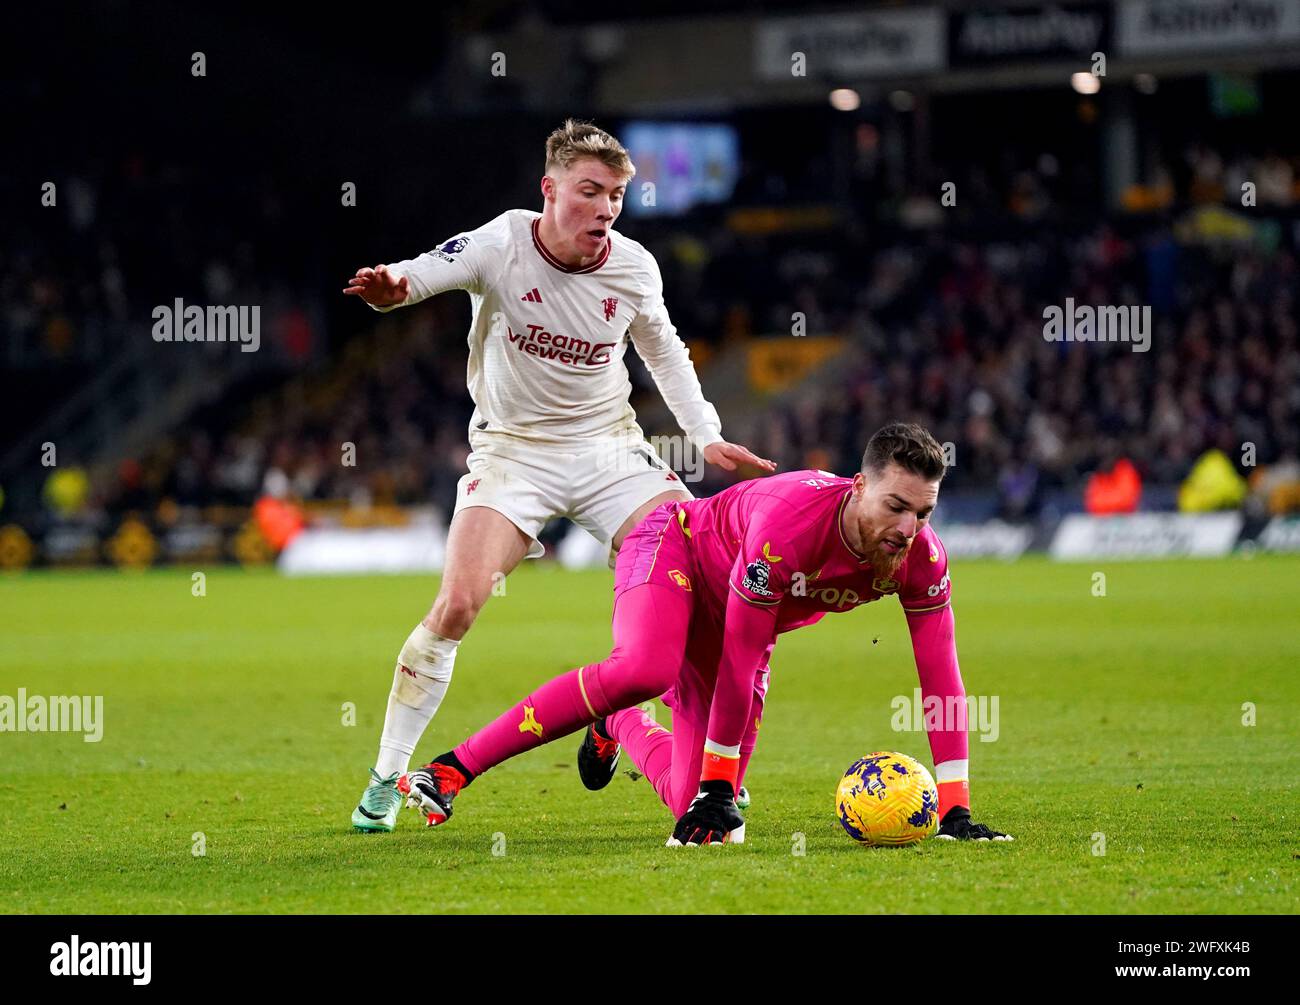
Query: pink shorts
x=657 y=552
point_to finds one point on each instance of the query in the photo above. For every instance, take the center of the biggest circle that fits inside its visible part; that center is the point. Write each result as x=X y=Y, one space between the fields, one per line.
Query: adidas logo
x=532 y=296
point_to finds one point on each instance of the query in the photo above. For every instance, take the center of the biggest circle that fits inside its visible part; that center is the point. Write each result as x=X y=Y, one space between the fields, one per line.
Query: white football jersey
x=546 y=342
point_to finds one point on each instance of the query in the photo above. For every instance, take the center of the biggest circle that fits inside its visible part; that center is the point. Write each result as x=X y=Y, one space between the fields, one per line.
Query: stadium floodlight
x=845 y=99
x=1085 y=83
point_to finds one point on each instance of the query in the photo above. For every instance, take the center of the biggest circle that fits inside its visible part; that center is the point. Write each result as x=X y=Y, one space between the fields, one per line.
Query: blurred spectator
x=1114 y=489
x=1275 y=488
x=66 y=490
x=1212 y=485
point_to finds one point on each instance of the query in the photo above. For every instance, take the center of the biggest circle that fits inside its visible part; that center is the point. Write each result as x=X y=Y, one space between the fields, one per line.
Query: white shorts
x=597 y=488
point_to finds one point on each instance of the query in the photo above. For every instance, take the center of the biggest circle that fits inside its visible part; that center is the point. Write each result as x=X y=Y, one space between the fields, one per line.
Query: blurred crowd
x=942 y=322
x=946 y=333
x=383 y=423
x=952 y=335
x=111 y=241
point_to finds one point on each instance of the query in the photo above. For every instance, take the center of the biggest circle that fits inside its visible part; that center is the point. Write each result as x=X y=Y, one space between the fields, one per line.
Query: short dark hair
x=908 y=445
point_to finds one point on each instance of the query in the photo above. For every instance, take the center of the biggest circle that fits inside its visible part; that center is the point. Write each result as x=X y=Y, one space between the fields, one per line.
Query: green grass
x=223 y=715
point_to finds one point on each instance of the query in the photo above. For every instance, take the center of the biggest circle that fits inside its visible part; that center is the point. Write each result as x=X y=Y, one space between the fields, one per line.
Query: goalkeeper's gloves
x=956 y=826
x=712 y=817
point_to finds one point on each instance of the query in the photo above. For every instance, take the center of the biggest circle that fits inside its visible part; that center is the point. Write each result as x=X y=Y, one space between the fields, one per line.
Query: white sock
x=420 y=681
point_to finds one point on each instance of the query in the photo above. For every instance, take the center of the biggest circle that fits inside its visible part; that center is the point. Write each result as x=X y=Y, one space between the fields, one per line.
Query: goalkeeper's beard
x=885 y=562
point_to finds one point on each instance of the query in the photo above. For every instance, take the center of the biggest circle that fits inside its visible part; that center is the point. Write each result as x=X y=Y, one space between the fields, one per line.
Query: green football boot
x=379 y=804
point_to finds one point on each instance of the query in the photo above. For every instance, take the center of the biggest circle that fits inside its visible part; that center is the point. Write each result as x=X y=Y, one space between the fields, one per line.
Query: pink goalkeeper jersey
x=777 y=542
x=770 y=556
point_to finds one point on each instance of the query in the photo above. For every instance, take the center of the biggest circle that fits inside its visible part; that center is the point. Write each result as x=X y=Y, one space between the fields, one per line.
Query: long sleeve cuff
x=706 y=435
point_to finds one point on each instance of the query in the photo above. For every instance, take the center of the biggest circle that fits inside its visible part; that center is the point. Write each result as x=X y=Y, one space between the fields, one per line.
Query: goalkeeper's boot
x=432 y=788
x=379 y=804
x=597 y=757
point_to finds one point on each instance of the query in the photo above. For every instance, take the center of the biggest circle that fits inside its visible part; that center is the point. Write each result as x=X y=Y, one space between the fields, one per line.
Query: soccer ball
x=888 y=799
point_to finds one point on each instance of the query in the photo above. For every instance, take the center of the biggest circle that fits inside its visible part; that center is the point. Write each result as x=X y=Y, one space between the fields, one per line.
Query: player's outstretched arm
x=457 y=264
x=730 y=456
x=378 y=287
x=934 y=645
x=669 y=362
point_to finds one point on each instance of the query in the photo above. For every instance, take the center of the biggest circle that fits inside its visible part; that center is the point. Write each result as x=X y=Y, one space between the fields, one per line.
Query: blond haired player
x=557 y=297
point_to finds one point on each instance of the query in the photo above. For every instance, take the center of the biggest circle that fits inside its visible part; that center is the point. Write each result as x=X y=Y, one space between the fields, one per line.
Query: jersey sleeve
x=669 y=362
x=749 y=634
x=458 y=263
x=765 y=564
x=927 y=585
x=934 y=645
x=760 y=578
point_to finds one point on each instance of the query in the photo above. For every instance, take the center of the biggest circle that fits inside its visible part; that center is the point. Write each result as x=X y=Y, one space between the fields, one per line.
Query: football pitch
x=1146 y=758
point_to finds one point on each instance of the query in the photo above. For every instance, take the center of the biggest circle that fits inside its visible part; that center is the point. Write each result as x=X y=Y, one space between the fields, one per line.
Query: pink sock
x=649 y=637
x=648 y=745
x=554 y=710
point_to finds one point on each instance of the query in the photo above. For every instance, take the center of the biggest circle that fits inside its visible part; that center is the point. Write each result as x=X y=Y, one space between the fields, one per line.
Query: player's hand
x=378 y=287
x=957 y=826
x=729 y=456
x=711 y=817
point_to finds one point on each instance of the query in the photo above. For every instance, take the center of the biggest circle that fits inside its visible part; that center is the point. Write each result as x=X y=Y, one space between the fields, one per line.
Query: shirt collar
x=555 y=263
x=839 y=528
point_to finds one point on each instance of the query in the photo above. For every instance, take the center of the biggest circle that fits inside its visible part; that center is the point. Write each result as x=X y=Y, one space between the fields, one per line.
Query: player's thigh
x=644 y=510
x=482 y=547
x=502 y=504
x=616 y=483
x=654 y=597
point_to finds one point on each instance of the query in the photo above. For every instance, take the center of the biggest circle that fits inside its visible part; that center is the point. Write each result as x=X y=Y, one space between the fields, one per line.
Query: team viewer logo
x=611 y=307
x=567 y=349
